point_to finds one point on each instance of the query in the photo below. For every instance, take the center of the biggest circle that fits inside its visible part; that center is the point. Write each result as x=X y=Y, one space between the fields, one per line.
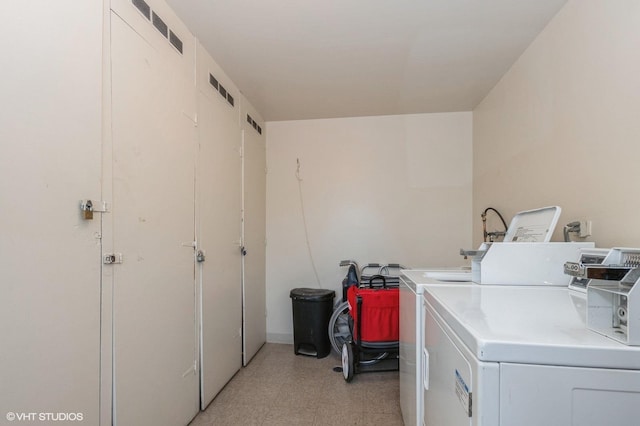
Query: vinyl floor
x=279 y=388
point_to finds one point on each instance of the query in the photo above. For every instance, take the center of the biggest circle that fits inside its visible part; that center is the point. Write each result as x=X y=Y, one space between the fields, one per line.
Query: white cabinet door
x=219 y=229
x=254 y=234
x=154 y=300
x=50 y=159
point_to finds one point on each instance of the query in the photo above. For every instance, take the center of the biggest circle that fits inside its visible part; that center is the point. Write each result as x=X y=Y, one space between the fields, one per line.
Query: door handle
x=425 y=368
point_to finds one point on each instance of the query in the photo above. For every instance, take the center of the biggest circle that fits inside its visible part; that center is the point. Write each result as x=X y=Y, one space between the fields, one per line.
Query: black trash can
x=312 y=309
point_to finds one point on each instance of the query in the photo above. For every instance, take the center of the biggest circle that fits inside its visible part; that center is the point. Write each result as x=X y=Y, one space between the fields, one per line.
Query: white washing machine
x=412 y=284
x=503 y=356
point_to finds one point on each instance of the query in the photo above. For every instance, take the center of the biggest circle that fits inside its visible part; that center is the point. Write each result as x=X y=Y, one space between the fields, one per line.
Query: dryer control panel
x=613 y=295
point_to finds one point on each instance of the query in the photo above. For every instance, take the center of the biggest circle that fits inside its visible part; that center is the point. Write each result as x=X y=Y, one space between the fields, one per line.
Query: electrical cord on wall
x=304 y=222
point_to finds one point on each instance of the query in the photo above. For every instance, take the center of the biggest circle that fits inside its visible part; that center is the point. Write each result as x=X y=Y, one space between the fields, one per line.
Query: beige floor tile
x=335 y=418
x=279 y=388
x=202 y=419
x=257 y=392
x=382 y=396
x=342 y=395
x=300 y=393
x=377 y=419
x=290 y=416
x=240 y=415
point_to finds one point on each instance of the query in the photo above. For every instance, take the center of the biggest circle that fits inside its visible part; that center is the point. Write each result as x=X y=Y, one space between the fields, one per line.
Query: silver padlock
x=200 y=256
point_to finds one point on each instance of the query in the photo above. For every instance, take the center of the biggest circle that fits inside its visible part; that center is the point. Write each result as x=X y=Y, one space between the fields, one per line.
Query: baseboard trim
x=280 y=338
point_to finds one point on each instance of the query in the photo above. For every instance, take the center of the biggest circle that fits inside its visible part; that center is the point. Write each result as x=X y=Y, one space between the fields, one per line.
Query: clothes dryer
x=502 y=355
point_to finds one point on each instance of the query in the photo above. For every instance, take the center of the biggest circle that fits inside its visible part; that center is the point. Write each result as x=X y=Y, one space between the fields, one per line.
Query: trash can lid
x=312 y=294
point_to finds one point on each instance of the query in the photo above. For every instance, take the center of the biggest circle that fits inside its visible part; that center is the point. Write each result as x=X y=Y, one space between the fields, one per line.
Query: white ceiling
x=304 y=59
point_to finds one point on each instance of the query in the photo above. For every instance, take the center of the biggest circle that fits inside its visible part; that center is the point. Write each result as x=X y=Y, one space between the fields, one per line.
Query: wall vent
x=160 y=25
x=175 y=41
x=221 y=90
x=143 y=7
x=253 y=123
x=213 y=81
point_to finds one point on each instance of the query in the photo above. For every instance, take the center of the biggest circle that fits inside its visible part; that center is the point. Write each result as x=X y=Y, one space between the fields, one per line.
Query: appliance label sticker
x=462 y=392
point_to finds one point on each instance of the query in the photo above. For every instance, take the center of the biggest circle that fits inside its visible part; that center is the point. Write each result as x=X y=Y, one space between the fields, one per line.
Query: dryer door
x=459 y=389
x=447 y=378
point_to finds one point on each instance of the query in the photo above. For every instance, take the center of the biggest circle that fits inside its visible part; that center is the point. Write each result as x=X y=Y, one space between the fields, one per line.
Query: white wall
x=391 y=189
x=562 y=126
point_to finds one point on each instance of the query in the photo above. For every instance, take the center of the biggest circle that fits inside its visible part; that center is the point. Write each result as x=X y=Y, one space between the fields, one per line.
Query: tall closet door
x=219 y=228
x=154 y=296
x=254 y=217
x=50 y=159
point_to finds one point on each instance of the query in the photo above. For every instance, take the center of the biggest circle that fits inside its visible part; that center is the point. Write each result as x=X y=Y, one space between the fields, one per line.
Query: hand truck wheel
x=348 y=361
x=339 y=331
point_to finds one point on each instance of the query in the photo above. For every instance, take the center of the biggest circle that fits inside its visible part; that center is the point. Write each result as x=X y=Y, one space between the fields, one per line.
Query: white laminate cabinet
x=50 y=257
x=103 y=102
x=153 y=107
x=219 y=199
x=254 y=230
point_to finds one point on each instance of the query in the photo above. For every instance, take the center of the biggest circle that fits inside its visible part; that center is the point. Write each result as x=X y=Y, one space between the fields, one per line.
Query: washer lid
x=533 y=226
x=442 y=276
x=450 y=276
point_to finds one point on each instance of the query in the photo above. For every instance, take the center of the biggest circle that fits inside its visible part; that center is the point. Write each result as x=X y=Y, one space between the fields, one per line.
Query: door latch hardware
x=243 y=251
x=200 y=256
x=111 y=258
x=88 y=207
